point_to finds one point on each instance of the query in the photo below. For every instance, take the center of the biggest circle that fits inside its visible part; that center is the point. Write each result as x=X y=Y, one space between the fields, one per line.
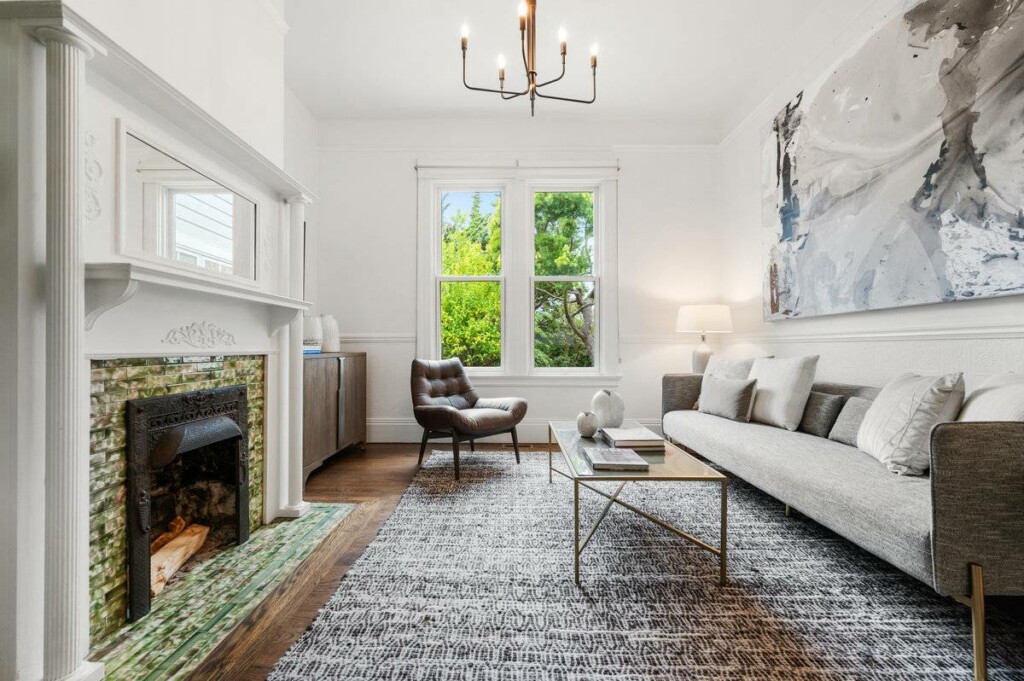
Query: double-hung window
x=517 y=271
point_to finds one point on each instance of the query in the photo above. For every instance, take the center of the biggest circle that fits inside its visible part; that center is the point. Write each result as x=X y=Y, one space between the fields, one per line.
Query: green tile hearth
x=112 y=383
x=193 y=615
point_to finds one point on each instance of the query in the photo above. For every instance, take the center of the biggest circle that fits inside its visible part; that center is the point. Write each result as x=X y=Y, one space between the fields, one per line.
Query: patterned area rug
x=473 y=580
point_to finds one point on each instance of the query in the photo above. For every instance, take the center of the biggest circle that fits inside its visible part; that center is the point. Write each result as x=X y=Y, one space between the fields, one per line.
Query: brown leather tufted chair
x=446 y=405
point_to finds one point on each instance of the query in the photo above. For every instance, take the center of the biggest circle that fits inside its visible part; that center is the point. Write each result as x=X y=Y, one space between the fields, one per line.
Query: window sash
x=438 y=327
x=596 y=354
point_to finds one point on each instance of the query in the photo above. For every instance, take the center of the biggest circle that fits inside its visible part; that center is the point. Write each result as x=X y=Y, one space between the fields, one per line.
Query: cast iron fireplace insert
x=185 y=454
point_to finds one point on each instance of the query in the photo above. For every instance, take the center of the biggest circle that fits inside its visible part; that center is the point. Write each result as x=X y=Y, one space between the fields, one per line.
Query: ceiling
x=703 y=63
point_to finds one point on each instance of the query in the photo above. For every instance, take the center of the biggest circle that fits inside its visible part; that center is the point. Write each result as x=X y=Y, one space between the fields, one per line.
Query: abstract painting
x=898 y=178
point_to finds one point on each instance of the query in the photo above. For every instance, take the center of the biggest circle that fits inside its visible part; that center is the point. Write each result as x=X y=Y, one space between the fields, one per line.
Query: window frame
x=518 y=185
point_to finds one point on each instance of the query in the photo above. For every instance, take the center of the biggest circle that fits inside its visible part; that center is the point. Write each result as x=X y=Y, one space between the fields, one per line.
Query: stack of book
x=603 y=459
x=637 y=439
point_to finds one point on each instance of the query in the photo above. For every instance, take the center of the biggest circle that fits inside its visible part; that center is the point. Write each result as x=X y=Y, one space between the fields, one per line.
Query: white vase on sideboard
x=332 y=334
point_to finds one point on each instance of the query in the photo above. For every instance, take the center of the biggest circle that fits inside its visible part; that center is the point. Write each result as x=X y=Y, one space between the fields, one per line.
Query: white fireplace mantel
x=110 y=284
x=77 y=297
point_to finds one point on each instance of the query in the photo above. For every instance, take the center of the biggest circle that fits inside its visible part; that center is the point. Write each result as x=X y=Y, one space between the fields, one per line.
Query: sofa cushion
x=821 y=413
x=838 y=486
x=848 y=422
x=727 y=397
x=783 y=386
x=728 y=368
x=1000 y=398
x=897 y=427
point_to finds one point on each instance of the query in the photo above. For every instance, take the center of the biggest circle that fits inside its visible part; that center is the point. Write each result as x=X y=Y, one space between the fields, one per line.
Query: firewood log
x=171 y=557
x=174 y=528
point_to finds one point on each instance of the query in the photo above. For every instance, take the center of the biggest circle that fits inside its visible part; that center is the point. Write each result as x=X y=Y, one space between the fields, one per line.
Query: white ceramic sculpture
x=332 y=334
x=609 y=407
x=587 y=423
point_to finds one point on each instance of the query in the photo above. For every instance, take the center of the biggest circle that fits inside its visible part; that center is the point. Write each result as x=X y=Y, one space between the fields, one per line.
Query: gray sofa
x=960 y=530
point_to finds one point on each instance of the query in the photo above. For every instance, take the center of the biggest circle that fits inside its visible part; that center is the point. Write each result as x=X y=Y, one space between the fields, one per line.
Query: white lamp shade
x=704 y=319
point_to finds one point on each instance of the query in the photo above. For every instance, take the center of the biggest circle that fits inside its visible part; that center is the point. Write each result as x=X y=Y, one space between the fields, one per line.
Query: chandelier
x=528 y=42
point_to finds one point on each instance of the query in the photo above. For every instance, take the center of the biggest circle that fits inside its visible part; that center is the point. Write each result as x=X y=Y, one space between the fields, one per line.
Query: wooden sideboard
x=333 y=405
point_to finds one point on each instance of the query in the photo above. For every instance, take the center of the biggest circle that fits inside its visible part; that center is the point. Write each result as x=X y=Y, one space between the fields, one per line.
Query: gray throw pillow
x=849 y=420
x=729 y=398
x=821 y=413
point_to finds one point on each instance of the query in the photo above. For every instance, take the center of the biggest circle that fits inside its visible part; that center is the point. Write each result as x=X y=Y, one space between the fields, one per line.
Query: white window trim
x=517 y=185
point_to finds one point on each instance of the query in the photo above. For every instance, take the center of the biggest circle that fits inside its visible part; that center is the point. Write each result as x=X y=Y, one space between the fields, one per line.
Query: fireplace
x=187 y=459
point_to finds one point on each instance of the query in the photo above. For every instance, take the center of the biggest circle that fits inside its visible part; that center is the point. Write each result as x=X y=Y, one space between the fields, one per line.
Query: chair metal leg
x=472 y=446
x=423 y=448
x=455 y=454
x=515 y=443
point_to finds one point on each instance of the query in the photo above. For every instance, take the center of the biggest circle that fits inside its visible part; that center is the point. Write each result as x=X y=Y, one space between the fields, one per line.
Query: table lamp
x=703 y=319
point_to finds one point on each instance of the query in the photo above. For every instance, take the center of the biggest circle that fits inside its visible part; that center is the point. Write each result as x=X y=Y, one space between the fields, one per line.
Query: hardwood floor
x=374 y=478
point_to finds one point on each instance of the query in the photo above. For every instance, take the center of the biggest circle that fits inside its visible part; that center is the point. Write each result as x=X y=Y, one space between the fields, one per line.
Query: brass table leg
x=576 y=528
x=549 y=453
x=722 y=538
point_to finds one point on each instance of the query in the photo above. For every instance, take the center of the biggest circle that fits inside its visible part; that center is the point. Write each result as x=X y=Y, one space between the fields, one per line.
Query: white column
x=66 y=575
x=296 y=268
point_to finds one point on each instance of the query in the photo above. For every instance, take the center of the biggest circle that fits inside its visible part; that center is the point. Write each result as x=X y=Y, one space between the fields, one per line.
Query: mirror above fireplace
x=178 y=215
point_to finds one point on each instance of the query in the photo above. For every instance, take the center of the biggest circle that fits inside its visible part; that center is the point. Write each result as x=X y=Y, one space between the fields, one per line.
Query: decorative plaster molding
x=907 y=334
x=199 y=335
x=369 y=338
x=93 y=171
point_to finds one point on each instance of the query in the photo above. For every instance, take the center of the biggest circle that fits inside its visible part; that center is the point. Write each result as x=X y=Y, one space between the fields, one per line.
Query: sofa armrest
x=977 y=476
x=679 y=391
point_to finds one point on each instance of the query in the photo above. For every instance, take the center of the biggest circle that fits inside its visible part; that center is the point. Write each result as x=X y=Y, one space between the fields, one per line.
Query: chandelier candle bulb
x=522 y=16
x=593 y=56
x=563 y=39
x=465 y=37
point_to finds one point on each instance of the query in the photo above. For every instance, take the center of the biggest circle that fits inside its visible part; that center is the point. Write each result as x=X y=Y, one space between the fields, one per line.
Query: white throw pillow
x=897 y=428
x=783 y=386
x=1000 y=398
x=729 y=368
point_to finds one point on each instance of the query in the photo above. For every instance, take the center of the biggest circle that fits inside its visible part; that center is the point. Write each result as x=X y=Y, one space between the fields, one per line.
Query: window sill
x=546 y=381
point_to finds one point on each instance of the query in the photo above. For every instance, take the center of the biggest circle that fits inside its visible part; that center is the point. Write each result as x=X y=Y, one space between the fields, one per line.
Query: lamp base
x=701 y=357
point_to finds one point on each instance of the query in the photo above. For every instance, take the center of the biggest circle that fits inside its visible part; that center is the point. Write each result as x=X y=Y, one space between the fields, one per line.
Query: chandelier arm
x=513 y=95
x=592 y=99
x=482 y=89
x=555 y=80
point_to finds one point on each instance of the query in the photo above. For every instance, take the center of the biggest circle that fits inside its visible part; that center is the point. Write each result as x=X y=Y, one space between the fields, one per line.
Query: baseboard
x=533 y=430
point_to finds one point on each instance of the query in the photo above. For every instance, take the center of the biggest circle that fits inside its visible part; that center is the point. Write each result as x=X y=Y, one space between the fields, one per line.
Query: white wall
x=366 y=250
x=690 y=230
x=225 y=55
x=978 y=337
x=301 y=161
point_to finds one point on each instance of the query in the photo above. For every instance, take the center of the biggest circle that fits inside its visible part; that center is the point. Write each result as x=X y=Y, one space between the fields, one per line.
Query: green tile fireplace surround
x=113 y=383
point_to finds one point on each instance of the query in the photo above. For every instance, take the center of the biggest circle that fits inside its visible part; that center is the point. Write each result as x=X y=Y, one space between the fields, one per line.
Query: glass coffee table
x=672 y=465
